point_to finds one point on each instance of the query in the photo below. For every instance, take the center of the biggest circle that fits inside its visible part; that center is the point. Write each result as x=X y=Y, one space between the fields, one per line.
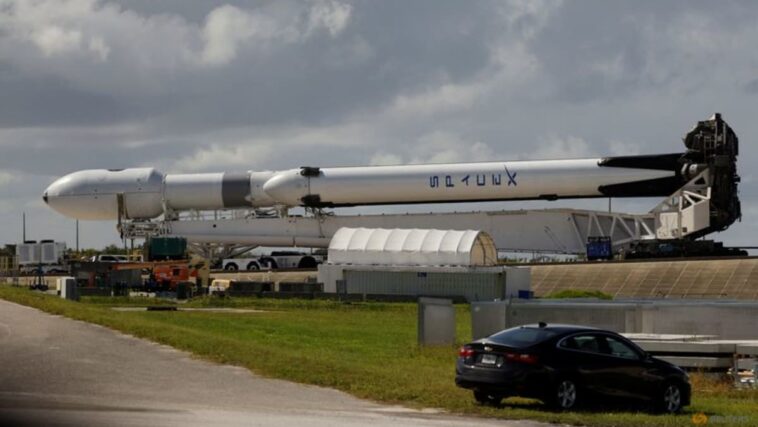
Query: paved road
x=60 y=372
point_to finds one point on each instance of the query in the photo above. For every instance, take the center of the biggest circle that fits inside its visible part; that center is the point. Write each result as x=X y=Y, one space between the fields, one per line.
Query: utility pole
x=23 y=227
x=77 y=236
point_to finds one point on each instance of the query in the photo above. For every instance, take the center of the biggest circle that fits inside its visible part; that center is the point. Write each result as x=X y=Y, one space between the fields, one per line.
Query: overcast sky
x=189 y=85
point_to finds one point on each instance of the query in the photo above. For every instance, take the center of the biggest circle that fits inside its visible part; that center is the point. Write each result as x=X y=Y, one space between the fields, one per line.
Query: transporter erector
x=703 y=177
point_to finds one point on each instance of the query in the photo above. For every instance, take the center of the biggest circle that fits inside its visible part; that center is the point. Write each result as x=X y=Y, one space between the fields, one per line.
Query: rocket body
x=445 y=183
x=144 y=193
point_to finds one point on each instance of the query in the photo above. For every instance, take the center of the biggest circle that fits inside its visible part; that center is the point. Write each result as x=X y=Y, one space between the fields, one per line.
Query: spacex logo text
x=511 y=176
x=473 y=180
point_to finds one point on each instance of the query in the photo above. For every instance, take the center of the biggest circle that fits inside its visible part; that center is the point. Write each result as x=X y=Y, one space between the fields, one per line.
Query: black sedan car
x=566 y=365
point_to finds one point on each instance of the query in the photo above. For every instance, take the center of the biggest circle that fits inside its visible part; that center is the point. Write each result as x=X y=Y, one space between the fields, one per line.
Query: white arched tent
x=403 y=247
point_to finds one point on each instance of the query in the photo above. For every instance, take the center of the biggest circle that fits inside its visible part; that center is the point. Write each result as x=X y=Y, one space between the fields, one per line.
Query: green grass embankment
x=576 y=293
x=366 y=349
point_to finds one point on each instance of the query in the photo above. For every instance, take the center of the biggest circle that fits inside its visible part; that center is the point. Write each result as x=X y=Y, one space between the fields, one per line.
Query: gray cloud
x=752 y=86
x=46 y=100
x=199 y=86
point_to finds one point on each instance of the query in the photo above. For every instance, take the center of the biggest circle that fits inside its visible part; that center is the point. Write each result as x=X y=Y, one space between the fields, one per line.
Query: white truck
x=116 y=258
x=275 y=260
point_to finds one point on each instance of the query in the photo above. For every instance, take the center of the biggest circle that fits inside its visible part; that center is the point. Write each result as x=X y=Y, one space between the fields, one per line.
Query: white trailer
x=237 y=264
x=292 y=259
x=273 y=261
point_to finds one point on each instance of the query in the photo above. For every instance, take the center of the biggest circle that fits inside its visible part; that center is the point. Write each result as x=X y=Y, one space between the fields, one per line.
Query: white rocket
x=700 y=186
x=145 y=193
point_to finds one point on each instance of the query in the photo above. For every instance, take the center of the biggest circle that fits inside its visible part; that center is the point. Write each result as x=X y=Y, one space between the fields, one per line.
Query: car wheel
x=231 y=267
x=253 y=267
x=307 y=262
x=670 y=400
x=487 y=399
x=565 y=395
x=269 y=263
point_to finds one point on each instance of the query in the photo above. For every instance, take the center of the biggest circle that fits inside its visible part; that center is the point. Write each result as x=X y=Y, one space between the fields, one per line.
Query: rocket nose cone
x=57 y=188
x=92 y=194
x=55 y=194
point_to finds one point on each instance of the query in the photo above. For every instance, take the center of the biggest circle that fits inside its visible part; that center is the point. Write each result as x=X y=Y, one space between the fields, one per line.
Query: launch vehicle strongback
x=145 y=193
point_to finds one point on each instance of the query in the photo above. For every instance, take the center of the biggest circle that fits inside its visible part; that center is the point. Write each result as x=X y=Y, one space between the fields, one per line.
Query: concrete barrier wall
x=473 y=283
x=436 y=321
x=487 y=318
x=725 y=320
x=616 y=317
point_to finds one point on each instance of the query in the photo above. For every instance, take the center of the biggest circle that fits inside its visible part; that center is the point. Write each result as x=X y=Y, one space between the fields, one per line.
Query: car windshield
x=521 y=337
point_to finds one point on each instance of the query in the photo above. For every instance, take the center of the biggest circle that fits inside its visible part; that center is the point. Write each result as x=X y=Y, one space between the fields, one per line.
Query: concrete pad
x=699 y=362
x=634 y=336
x=686 y=347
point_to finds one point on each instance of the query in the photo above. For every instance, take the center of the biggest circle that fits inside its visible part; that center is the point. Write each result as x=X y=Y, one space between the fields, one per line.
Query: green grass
x=126 y=301
x=575 y=293
x=366 y=349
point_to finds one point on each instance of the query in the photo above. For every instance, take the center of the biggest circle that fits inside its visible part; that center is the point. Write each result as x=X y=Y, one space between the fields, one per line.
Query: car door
x=628 y=372
x=581 y=356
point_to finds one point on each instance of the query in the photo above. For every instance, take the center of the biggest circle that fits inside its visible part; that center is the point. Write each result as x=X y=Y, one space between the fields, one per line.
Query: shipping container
x=166 y=248
x=46 y=252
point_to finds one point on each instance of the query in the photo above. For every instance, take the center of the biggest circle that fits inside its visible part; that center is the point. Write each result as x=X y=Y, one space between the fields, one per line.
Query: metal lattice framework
x=687 y=212
x=546 y=230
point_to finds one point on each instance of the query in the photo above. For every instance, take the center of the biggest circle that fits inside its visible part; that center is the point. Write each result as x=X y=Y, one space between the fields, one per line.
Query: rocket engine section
x=713 y=144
